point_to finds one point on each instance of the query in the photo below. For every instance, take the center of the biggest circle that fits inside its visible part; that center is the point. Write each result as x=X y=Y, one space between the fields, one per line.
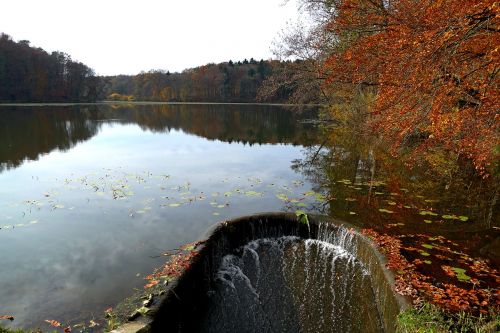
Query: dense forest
x=29 y=74
x=225 y=82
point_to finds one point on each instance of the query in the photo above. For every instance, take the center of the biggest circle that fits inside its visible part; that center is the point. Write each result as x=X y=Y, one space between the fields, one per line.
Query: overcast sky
x=128 y=36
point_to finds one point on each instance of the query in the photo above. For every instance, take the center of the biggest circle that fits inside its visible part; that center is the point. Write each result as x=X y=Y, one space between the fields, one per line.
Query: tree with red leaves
x=434 y=66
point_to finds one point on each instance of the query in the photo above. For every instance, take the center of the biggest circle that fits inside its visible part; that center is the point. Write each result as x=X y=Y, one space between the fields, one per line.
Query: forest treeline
x=29 y=74
x=230 y=81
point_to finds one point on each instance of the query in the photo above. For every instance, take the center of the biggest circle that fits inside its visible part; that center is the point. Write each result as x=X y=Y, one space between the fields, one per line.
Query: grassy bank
x=431 y=319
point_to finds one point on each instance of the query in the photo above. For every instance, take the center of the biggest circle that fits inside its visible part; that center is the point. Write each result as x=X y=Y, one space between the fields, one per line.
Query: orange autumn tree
x=434 y=65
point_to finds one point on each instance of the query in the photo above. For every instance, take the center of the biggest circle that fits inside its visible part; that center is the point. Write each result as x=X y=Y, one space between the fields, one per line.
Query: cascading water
x=289 y=284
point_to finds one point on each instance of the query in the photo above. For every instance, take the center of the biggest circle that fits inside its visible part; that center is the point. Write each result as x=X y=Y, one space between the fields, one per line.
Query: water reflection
x=27 y=132
x=367 y=186
x=89 y=194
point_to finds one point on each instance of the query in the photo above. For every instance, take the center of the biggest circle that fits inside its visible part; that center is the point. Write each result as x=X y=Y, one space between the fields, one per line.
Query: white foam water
x=289 y=284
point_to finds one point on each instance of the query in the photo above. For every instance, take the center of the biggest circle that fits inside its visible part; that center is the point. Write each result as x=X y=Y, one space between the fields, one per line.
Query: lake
x=91 y=196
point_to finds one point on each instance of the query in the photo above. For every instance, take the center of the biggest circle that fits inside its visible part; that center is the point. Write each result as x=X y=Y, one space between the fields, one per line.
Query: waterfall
x=289 y=284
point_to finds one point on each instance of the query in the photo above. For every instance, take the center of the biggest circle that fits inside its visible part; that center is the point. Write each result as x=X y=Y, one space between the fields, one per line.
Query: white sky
x=127 y=36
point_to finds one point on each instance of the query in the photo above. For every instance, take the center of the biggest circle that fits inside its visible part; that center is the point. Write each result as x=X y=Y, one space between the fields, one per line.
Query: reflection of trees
x=240 y=123
x=346 y=155
x=26 y=133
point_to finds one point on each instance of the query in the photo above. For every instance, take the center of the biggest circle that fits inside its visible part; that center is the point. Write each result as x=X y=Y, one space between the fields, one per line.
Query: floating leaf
x=309 y=193
x=383 y=210
x=34 y=222
x=426 y=212
x=350 y=199
x=301 y=204
x=425 y=254
x=58 y=206
x=428 y=262
x=228 y=194
x=378 y=193
x=215 y=214
x=221 y=206
x=252 y=193
x=428 y=221
x=353 y=213
x=463 y=218
x=428 y=246
x=392 y=203
x=321 y=198
x=54 y=323
x=174 y=205
x=460 y=272
x=282 y=197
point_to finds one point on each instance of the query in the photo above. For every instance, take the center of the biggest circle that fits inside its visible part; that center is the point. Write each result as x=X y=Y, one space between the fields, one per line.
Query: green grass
x=8 y=330
x=431 y=319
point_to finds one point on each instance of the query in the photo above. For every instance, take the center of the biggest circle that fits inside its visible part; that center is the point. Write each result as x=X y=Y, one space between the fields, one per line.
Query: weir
x=271 y=273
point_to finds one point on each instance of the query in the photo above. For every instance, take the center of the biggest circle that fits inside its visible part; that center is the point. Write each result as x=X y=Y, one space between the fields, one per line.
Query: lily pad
x=320 y=197
x=428 y=221
x=252 y=194
x=174 y=205
x=461 y=276
x=425 y=254
x=383 y=210
x=282 y=197
x=428 y=246
x=427 y=212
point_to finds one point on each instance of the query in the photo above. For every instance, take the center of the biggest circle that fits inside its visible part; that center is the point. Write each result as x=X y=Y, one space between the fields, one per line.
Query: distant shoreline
x=35 y=104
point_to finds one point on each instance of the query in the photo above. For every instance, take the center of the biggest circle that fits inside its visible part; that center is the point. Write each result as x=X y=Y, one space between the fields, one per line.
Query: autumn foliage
x=474 y=295
x=434 y=67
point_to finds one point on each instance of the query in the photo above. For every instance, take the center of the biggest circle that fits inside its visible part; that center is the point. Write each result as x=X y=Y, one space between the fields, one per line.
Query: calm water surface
x=88 y=195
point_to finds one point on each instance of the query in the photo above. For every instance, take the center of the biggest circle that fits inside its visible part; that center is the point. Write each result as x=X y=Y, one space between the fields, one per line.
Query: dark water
x=89 y=194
